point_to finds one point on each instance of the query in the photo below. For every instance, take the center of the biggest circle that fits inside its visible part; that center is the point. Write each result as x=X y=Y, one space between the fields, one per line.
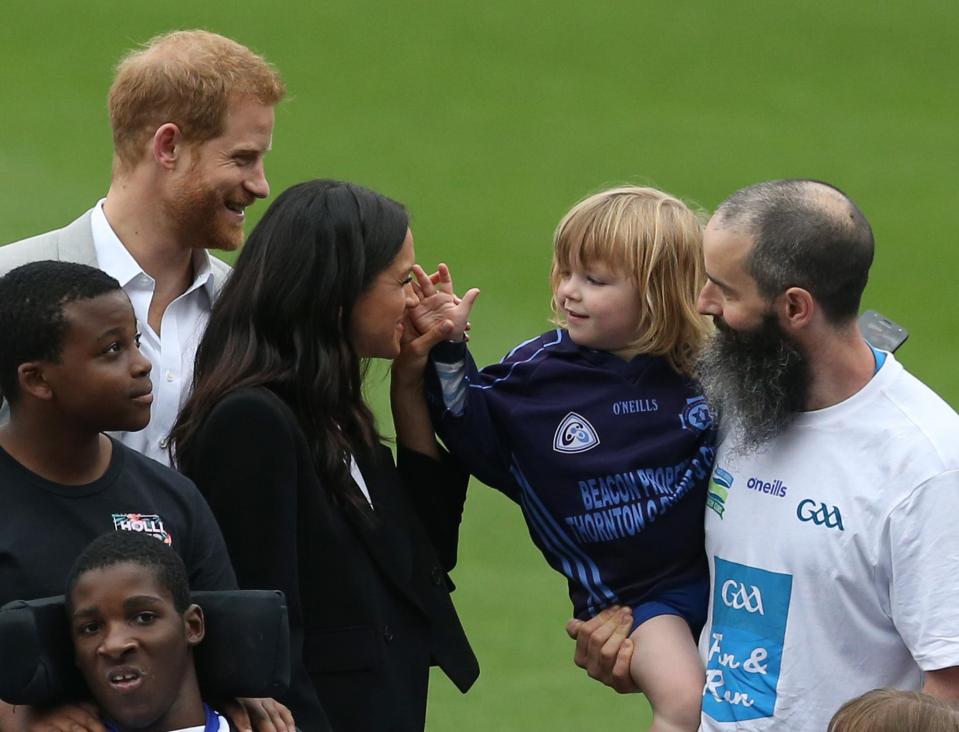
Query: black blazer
x=367 y=589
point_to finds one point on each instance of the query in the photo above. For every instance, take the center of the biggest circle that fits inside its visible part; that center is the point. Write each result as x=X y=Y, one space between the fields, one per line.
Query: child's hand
x=438 y=302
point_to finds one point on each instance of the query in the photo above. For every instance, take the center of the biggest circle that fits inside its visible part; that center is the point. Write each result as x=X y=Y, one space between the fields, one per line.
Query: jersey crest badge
x=145 y=523
x=696 y=415
x=575 y=434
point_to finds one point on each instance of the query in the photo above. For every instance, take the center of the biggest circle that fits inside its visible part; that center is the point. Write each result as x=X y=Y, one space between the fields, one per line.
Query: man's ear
x=194 y=625
x=168 y=145
x=796 y=308
x=32 y=380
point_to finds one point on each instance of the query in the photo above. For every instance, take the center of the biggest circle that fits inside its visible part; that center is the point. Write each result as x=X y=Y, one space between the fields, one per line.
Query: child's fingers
x=469 y=298
x=423 y=281
x=445 y=279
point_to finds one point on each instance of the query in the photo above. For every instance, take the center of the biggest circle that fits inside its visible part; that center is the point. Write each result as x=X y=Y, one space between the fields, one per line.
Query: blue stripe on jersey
x=558 y=542
x=559 y=338
x=526 y=343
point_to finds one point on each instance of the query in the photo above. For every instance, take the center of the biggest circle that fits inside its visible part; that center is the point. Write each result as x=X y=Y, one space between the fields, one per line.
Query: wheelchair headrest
x=245 y=652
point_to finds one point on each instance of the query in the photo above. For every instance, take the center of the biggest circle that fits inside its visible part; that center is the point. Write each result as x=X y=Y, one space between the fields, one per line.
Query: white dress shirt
x=359 y=480
x=172 y=350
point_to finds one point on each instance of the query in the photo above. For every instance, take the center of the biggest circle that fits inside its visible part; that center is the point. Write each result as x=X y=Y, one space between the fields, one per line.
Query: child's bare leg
x=666 y=666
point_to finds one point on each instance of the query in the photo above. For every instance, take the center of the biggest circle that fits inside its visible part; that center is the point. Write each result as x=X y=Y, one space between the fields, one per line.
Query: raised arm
x=439 y=316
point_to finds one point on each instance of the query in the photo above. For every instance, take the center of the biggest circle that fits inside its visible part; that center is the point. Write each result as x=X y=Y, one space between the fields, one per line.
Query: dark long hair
x=282 y=321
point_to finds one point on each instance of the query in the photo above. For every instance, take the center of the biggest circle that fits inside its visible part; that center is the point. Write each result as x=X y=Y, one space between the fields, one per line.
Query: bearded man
x=192 y=118
x=830 y=521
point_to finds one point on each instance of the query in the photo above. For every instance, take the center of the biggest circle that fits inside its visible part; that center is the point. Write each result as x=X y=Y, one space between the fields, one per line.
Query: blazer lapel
x=386 y=534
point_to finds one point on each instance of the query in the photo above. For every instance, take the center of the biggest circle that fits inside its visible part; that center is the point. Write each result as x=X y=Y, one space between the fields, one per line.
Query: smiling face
x=751 y=371
x=601 y=308
x=134 y=649
x=101 y=380
x=221 y=177
x=377 y=324
x=730 y=294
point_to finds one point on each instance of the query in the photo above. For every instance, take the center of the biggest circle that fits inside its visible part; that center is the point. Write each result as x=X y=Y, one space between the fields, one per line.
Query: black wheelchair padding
x=245 y=652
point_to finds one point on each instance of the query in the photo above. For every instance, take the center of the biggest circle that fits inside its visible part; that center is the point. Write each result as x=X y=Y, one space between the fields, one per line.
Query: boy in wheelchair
x=130 y=626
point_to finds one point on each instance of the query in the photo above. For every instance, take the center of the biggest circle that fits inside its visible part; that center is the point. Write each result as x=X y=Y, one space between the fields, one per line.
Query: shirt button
x=170 y=376
x=436 y=574
x=163 y=443
x=387 y=634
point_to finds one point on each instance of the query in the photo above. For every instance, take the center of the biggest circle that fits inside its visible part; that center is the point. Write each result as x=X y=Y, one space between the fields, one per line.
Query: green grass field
x=489 y=120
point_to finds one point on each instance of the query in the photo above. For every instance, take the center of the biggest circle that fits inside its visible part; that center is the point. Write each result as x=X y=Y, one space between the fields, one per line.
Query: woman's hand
x=438 y=302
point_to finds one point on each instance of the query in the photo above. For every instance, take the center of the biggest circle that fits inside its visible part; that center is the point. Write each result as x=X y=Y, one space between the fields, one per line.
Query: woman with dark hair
x=279 y=439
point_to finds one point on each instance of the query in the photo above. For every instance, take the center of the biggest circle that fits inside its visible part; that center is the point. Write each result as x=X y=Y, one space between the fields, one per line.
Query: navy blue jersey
x=609 y=460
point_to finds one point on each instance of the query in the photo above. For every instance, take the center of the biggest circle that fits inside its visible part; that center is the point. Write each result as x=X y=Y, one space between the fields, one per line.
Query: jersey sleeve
x=469 y=409
x=923 y=554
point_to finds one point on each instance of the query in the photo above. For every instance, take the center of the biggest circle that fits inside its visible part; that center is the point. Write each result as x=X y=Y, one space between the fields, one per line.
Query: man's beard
x=755 y=380
x=198 y=216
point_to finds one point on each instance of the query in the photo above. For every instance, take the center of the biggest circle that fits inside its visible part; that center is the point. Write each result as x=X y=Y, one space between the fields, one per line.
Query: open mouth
x=572 y=317
x=125 y=680
x=237 y=209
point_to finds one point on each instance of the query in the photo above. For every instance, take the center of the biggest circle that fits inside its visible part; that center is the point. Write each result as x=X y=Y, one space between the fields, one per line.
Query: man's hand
x=81 y=717
x=604 y=649
x=438 y=302
x=261 y=715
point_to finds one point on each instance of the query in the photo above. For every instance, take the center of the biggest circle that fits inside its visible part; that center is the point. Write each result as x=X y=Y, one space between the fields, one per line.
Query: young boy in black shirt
x=134 y=630
x=71 y=369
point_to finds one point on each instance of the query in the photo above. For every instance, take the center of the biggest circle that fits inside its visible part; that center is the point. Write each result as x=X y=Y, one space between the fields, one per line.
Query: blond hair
x=891 y=710
x=657 y=241
x=188 y=78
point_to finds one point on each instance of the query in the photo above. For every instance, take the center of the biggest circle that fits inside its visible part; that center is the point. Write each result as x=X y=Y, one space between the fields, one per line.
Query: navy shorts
x=688 y=601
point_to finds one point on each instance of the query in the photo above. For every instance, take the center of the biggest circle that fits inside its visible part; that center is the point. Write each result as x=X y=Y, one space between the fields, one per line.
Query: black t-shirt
x=44 y=525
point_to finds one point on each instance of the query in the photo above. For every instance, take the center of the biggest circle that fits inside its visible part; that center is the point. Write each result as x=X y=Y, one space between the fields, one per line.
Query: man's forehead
x=726 y=240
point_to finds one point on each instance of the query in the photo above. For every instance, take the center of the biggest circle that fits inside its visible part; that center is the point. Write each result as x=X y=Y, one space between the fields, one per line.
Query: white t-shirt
x=173 y=350
x=834 y=558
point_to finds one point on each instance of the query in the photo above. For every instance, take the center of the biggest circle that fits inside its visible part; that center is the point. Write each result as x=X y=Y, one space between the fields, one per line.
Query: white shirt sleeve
x=923 y=555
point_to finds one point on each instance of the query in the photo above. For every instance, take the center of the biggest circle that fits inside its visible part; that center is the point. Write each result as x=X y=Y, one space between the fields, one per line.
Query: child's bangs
x=595 y=238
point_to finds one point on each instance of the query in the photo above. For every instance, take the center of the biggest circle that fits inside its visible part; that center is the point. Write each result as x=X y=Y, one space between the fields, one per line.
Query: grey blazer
x=74 y=243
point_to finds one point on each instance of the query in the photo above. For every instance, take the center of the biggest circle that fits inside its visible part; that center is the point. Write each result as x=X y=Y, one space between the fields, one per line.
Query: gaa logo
x=821 y=514
x=738 y=597
x=575 y=434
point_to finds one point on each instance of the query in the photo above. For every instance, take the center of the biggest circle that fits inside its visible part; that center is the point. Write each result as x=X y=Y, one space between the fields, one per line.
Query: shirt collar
x=116 y=260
